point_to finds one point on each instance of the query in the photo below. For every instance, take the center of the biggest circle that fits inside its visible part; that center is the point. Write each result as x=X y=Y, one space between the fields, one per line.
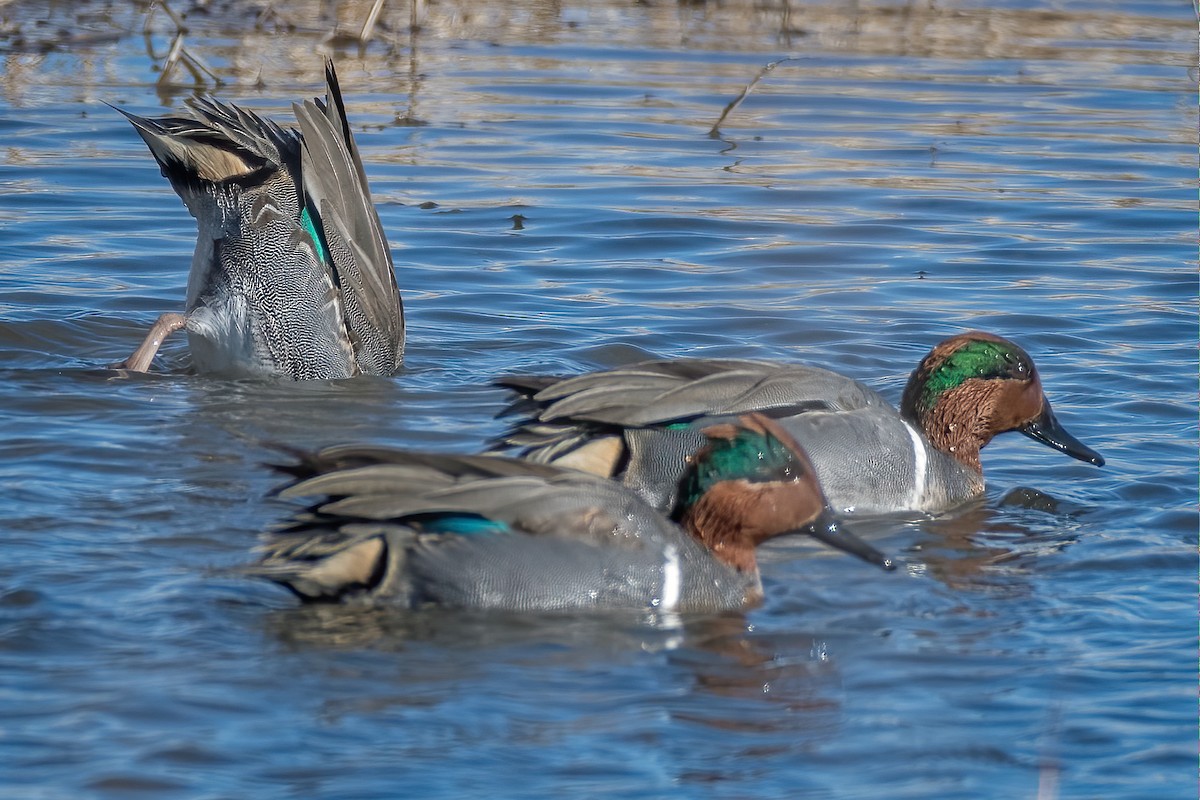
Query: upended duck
x=487 y=532
x=292 y=276
x=638 y=423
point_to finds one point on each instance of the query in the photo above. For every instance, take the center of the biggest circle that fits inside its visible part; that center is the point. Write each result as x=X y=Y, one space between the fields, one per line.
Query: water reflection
x=770 y=692
x=779 y=672
x=997 y=549
x=348 y=627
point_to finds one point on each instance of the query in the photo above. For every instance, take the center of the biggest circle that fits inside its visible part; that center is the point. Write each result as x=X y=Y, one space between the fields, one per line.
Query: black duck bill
x=829 y=531
x=1045 y=428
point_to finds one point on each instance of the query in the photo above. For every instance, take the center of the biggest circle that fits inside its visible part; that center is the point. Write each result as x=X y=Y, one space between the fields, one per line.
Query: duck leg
x=163 y=327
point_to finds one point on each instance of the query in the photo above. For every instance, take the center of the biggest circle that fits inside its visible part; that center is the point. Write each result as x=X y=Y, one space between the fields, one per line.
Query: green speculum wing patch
x=460 y=524
x=978 y=359
x=318 y=240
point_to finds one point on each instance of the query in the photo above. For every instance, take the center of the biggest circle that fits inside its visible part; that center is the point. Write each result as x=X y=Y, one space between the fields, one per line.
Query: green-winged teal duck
x=292 y=276
x=639 y=423
x=416 y=529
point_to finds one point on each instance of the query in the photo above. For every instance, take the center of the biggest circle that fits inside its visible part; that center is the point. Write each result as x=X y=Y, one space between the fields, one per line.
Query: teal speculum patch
x=318 y=240
x=460 y=524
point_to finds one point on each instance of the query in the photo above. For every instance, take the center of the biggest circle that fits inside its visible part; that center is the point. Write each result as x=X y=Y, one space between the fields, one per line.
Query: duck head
x=753 y=482
x=975 y=385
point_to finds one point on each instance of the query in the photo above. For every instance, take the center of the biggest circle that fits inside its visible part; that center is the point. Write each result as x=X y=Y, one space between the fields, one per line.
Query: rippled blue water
x=1028 y=169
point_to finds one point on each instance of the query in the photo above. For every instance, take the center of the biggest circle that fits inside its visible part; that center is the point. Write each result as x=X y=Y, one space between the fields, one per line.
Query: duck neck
x=723 y=520
x=957 y=424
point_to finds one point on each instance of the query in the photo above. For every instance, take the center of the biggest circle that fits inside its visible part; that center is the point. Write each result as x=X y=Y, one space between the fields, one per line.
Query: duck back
x=260 y=300
x=868 y=459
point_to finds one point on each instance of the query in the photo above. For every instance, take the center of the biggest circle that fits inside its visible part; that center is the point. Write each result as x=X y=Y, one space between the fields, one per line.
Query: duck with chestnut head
x=637 y=423
x=416 y=529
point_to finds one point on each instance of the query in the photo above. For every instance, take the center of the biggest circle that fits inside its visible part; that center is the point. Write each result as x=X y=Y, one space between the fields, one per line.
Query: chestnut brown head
x=753 y=482
x=975 y=385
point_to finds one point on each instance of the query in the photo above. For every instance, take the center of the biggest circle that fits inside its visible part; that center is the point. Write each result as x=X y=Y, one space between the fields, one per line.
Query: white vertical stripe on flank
x=672 y=580
x=920 y=462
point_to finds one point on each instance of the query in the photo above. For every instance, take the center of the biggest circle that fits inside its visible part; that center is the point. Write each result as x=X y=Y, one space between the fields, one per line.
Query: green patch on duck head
x=749 y=455
x=984 y=359
x=315 y=234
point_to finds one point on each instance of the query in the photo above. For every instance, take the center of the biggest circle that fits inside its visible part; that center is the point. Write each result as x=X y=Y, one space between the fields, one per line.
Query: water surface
x=918 y=170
